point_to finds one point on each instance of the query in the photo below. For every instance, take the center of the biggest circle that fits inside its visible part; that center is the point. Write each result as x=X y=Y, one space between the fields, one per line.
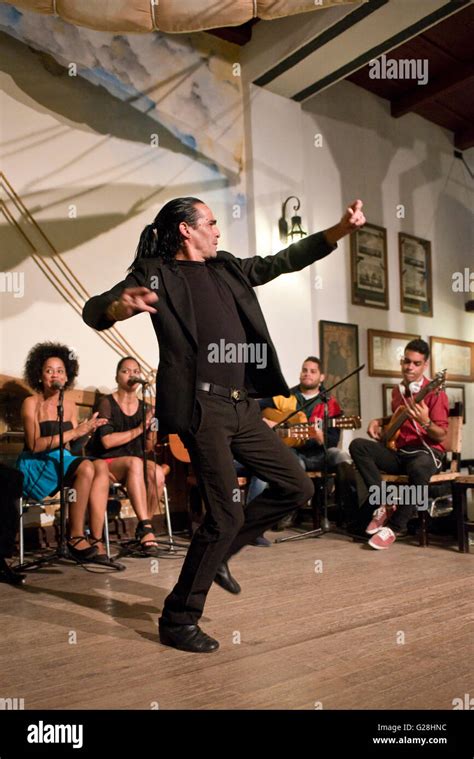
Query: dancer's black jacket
x=175 y=324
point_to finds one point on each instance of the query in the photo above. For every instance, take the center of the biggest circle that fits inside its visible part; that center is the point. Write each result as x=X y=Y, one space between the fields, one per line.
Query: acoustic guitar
x=178 y=449
x=298 y=430
x=391 y=430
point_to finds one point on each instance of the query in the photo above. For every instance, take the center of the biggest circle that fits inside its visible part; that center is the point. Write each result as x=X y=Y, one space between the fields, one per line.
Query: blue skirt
x=41 y=471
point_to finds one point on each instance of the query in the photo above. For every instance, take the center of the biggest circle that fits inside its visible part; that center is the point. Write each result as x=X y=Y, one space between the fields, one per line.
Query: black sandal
x=81 y=555
x=149 y=547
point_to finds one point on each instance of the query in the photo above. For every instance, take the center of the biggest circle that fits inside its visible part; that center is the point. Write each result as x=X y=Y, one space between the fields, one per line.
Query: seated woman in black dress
x=120 y=443
x=47 y=365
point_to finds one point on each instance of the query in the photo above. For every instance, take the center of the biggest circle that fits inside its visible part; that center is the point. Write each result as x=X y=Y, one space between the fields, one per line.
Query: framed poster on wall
x=369 y=267
x=456 y=394
x=339 y=349
x=416 y=289
x=387 y=399
x=385 y=350
x=457 y=356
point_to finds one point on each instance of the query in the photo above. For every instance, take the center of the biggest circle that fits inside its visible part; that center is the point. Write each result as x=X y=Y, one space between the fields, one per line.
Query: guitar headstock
x=301 y=431
x=348 y=422
x=341 y=422
x=439 y=381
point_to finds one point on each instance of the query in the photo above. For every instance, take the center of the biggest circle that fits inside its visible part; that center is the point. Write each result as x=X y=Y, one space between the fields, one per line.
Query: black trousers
x=371 y=458
x=225 y=430
x=11 y=481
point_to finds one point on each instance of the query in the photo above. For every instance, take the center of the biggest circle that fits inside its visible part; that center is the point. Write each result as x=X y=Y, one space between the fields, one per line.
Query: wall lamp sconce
x=296 y=232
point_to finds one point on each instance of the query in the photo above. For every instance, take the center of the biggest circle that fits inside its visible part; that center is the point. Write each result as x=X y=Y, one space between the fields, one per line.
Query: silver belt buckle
x=235 y=394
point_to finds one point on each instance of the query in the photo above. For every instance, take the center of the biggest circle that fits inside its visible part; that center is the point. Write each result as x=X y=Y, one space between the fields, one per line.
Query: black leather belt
x=233 y=393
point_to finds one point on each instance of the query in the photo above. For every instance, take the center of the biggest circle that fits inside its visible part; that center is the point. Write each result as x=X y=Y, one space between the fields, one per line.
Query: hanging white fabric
x=173 y=16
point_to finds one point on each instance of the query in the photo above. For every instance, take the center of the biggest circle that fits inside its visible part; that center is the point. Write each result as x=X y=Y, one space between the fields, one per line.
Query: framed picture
x=416 y=290
x=385 y=350
x=339 y=349
x=387 y=399
x=457 y=356
x=457 y=394
x=369 y=267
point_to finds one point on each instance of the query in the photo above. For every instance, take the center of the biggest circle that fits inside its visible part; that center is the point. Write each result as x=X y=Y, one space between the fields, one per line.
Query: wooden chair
x=452 y=444
x=180 y=452
x=118 y=492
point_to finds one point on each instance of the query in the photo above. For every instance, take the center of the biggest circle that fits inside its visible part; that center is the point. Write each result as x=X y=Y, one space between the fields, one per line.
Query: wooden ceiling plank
x=456 y=33
x=443 y=115
x=426 y=48
x=422 y=94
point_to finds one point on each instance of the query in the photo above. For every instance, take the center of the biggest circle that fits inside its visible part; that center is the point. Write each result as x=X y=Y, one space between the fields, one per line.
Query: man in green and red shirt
x=311 y=453
x=419 y=446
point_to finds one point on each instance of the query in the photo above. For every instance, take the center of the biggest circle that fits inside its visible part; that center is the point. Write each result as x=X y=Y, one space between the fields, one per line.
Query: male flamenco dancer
x=200 y=298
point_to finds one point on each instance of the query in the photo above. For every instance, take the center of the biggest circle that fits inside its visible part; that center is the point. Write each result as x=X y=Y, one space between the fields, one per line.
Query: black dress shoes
x=225 y=580
x=9 y=575
x=187 y=638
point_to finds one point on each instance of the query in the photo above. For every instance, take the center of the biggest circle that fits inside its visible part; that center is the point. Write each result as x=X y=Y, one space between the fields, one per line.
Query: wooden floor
x=330 y=638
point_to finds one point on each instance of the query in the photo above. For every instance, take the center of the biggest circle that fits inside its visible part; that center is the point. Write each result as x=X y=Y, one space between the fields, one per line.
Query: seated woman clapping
x=120 y=443
x=49 y=367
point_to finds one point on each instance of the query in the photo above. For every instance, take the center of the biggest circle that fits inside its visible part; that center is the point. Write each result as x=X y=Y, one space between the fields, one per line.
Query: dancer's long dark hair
x=162 y=238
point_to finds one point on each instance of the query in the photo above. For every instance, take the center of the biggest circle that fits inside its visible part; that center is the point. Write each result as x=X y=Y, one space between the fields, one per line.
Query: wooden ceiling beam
x=422 y=94
x=464 y=139
x=238 y=35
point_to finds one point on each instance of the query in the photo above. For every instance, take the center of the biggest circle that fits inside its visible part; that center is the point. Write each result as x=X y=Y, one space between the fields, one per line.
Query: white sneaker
x=382 y=539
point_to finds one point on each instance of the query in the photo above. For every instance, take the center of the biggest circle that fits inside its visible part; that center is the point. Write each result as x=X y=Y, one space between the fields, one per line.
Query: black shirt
x=221 y=334
x=109 y=409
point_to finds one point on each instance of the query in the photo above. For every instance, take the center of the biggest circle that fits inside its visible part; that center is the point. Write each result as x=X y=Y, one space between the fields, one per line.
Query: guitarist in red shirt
x=416 y=449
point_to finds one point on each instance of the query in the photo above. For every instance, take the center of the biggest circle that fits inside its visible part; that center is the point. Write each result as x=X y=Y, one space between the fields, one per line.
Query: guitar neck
x=307 y=429
x=395 y=424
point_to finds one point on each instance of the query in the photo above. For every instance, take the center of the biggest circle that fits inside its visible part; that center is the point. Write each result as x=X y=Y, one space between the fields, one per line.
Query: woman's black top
x=117 y=422
x=50 y=427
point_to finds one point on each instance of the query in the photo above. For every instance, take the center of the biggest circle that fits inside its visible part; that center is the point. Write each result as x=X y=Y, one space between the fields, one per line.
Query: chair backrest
x=453 y=440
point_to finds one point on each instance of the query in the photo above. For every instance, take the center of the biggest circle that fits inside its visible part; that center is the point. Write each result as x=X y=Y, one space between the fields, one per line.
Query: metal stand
x=173 y=545
x=324 y=395
x=144 y=459
x=316 y=533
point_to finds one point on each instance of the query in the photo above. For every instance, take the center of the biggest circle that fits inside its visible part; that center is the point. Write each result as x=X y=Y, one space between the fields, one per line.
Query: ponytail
x=162 y=239
x=146 y=247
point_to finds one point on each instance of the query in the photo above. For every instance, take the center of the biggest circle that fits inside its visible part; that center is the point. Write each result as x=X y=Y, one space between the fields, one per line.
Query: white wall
x=386 y=162
x=56 y=153
x=276 y=171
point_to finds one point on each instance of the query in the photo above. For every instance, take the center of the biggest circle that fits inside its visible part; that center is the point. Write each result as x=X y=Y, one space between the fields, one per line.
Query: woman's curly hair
x=40 y=353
